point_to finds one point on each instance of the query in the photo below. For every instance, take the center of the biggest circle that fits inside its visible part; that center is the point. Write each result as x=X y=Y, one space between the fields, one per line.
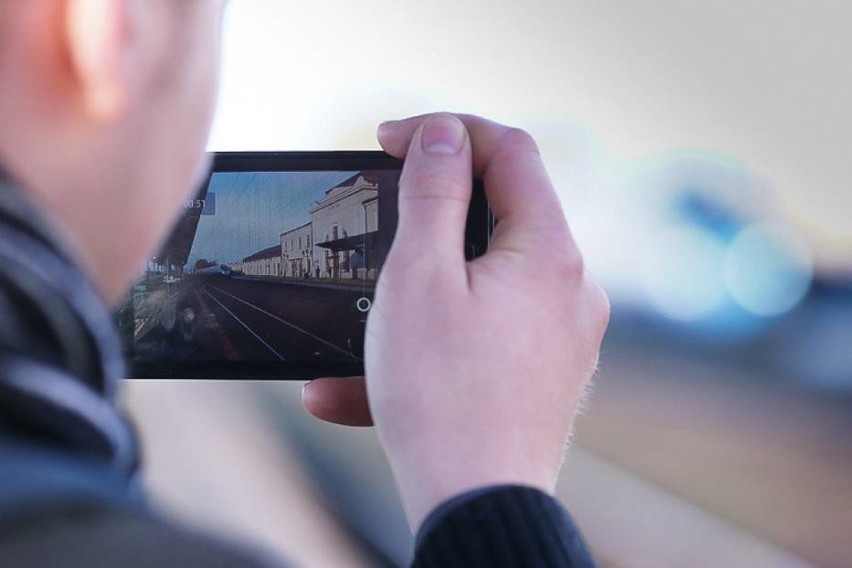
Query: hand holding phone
x=475 y=369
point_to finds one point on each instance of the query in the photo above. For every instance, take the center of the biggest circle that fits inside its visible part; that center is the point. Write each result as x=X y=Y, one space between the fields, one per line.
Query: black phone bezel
x=478 y=234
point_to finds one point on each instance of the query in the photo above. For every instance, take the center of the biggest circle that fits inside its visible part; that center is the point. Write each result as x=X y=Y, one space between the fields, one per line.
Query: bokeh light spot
x=683 y=275
x=768 y=270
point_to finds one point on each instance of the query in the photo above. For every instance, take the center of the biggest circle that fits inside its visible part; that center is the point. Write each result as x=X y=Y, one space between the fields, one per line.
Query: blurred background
x=702 y=153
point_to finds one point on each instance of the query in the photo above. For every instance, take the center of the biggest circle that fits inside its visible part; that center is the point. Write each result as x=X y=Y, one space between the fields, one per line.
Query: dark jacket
x=69 y=464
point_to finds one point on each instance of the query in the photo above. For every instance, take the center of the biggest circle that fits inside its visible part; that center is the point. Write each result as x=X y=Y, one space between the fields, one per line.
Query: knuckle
x=568 y=264
x=518 y=138
x=600 y=306
x=433 y=184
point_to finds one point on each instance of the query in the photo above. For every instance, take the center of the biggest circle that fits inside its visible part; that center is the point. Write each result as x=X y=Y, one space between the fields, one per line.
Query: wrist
x=437 y=466
x=424 y=492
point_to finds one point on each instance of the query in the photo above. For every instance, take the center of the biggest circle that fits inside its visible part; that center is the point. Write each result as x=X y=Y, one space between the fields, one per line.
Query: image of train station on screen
x=277 y=266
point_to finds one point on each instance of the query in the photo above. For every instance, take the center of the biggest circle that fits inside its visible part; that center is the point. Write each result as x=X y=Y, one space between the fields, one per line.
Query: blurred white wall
x=603 y=85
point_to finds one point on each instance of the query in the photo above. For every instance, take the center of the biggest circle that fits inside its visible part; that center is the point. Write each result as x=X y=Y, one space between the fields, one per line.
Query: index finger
x=517 y=185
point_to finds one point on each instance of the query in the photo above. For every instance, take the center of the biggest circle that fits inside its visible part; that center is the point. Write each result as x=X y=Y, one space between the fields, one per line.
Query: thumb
x=338 y=400
x=434 y=192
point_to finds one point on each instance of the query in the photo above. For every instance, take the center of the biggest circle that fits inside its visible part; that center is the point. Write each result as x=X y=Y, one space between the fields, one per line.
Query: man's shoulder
x=94 y=535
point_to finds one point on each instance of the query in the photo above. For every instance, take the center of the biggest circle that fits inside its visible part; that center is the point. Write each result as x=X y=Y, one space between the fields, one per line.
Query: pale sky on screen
x=253 y=209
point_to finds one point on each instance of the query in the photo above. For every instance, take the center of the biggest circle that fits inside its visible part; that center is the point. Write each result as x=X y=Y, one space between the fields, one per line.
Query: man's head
x=105 y=107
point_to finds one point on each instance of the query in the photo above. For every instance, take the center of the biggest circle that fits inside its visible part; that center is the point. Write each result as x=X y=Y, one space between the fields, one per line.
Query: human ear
x=96 y=35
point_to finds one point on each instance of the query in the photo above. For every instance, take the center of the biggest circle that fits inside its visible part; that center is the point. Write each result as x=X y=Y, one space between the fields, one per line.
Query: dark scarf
x=60 y=356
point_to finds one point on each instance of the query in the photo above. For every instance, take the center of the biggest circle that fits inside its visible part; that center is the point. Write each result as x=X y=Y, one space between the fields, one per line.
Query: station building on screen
x=339 y=242
x=345 y=226
x=263 y=263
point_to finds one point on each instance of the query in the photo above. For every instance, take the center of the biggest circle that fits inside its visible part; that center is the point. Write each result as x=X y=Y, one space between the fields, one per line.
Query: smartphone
x=271 y=270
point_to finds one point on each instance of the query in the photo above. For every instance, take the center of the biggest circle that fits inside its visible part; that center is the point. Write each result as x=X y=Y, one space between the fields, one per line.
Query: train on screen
x=218 y=270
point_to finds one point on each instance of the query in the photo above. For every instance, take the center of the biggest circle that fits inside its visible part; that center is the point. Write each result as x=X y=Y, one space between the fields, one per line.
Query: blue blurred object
x=719 y=267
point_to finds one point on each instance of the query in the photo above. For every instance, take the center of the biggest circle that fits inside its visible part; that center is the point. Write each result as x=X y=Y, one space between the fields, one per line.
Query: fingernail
x=443 y=134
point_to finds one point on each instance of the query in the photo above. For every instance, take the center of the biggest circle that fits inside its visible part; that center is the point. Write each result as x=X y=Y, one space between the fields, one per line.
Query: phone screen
x=270 y=272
